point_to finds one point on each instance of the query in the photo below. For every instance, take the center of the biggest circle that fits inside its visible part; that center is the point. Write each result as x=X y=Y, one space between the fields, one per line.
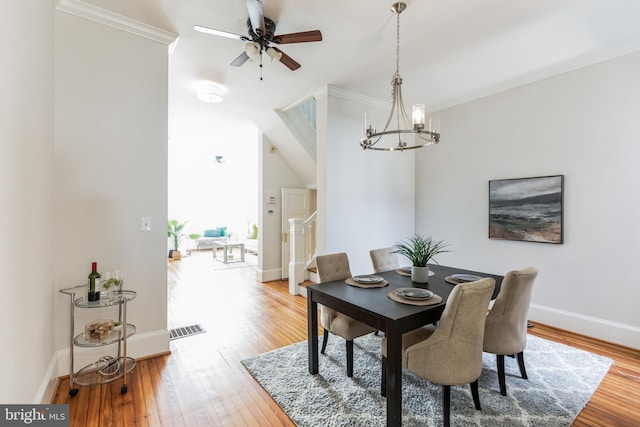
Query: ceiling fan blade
x=219 y=33
x=302 y=37
x=240 y=60
x=256 y=15
x=288 y=61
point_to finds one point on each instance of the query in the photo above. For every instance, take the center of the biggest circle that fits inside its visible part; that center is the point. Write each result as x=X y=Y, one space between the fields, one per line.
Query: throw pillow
x=209 y=233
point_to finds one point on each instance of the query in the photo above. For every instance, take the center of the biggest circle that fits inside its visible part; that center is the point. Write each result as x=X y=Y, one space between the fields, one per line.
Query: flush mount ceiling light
x=416 y=128
x=210 y=92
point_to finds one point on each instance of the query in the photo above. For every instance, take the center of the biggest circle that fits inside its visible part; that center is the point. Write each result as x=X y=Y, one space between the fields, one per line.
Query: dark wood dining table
x=373 y=307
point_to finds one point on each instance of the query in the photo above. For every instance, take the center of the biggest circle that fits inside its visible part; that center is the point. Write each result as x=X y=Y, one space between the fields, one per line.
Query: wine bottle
x=93 y=278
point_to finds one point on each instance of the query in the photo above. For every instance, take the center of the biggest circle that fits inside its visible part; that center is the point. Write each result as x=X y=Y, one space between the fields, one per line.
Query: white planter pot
x=419 y=274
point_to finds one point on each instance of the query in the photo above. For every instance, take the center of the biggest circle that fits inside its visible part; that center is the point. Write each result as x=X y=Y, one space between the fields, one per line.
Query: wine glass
x=118 y=276
x=107 y=283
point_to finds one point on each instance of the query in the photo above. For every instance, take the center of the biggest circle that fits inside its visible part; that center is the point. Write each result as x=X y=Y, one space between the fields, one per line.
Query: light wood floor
x=202 y=383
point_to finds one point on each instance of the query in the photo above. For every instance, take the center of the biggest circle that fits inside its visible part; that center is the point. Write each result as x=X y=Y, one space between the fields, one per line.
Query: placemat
x=408 y=273
x=455 y=281
x=435 y=299
x=452 y=280
x=352 y=282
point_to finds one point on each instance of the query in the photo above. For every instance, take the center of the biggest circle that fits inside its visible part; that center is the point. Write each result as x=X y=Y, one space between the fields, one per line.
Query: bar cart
x=106 y=369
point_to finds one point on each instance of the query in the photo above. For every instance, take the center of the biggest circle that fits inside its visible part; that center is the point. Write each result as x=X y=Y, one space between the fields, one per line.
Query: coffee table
x=226 y=247
x=373 y=307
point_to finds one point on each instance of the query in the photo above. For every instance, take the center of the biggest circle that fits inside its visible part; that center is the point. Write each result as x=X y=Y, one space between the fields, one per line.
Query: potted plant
x=174 y=232
x=420 y=250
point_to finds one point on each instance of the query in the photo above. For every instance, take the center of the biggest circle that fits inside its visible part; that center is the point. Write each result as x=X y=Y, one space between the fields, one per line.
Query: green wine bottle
x=93 y=278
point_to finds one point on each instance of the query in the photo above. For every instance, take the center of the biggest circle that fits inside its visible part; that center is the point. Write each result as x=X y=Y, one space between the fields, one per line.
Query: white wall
x=110 y=170
x=26 y=193
x=276 y=174
x=365 y=198
x=583 y=125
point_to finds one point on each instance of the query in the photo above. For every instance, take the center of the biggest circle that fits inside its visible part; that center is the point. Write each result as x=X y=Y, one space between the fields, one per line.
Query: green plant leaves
x=174 y=232
x=420 y=249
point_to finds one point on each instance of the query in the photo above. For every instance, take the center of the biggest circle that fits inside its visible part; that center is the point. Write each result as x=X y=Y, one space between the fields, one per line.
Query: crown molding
x=121 y=22
x=351 y=96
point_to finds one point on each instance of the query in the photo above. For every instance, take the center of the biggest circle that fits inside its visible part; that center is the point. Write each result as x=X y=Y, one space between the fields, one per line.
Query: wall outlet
x=145 y=223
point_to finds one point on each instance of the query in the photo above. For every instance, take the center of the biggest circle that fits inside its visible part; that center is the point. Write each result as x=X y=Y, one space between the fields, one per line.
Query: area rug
x=561 y=382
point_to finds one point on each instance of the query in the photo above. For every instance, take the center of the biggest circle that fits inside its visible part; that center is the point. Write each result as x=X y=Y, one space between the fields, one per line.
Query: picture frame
x=527 y=209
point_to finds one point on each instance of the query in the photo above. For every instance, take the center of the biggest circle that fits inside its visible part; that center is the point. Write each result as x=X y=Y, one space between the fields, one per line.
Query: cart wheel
x=73 y=392
x=123 y=389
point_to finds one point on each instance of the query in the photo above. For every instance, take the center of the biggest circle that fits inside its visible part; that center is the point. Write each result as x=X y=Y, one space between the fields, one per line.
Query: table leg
x=242 y=252
x=224 y=254
x=394 y=377
x=312 y=333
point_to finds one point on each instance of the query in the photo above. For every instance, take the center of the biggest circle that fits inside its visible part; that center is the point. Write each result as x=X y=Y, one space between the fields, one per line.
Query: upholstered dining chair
x=451 y=353
x=336 y=267
x=384 y=259
x=506 y=326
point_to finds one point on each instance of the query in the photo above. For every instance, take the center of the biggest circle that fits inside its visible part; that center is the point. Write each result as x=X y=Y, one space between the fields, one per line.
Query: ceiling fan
x=261 y=33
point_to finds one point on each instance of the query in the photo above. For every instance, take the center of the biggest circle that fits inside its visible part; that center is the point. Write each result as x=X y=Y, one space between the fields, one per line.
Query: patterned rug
x=561 y=381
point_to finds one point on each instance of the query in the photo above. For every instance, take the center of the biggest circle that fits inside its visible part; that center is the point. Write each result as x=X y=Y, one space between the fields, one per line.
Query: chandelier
x=423 y=133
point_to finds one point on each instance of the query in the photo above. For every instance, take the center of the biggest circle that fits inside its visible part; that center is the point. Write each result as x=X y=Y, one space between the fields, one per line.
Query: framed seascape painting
x=526 y=209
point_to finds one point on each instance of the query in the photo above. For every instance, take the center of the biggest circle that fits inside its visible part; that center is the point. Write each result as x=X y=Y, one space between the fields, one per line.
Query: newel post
x=296 y=255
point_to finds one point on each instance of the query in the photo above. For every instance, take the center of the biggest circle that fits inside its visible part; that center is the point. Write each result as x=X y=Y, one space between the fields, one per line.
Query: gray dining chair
x=336 y=267
x=384 y=259
x=451 y=353
x=506 y=326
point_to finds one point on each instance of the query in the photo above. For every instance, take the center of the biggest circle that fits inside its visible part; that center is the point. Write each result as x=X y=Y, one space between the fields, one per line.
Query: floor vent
x=185 y=331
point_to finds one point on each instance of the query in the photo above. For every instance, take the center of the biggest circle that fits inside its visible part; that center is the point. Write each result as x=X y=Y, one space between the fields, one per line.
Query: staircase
x=300 y=120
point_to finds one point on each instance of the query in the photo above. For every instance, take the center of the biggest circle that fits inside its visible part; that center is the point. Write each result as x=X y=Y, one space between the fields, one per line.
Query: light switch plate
x=145 y=223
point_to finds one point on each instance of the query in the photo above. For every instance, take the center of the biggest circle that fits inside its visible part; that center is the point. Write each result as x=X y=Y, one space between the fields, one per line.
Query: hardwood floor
x=202 y=383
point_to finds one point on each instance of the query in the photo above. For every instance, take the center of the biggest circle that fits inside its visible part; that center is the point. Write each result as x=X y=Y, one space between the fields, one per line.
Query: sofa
x=218 y=234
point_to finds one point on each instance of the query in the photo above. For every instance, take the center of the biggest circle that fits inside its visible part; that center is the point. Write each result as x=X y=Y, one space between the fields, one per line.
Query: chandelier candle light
x=422 y=134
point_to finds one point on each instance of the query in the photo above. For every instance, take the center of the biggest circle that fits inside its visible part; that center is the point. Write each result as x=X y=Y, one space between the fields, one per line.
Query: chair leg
x=349 y=358
x=383 y=381
x=475 y=394
x=523 y=371
x=325 y=338
x=501 y=379
x=446 y=399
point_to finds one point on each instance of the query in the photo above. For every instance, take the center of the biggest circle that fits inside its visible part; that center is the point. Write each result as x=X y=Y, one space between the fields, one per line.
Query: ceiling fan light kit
x=261 y=34
x=252 y=49
x=273 y=54
x=424 y=132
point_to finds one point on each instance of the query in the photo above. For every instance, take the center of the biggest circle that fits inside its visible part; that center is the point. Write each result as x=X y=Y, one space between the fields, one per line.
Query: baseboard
x=49 y=383
x=606 y=330
x=268 y=275
x=138 y=346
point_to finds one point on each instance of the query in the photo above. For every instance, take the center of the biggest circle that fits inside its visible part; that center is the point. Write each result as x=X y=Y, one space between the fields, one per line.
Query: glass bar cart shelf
x=103 y=371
